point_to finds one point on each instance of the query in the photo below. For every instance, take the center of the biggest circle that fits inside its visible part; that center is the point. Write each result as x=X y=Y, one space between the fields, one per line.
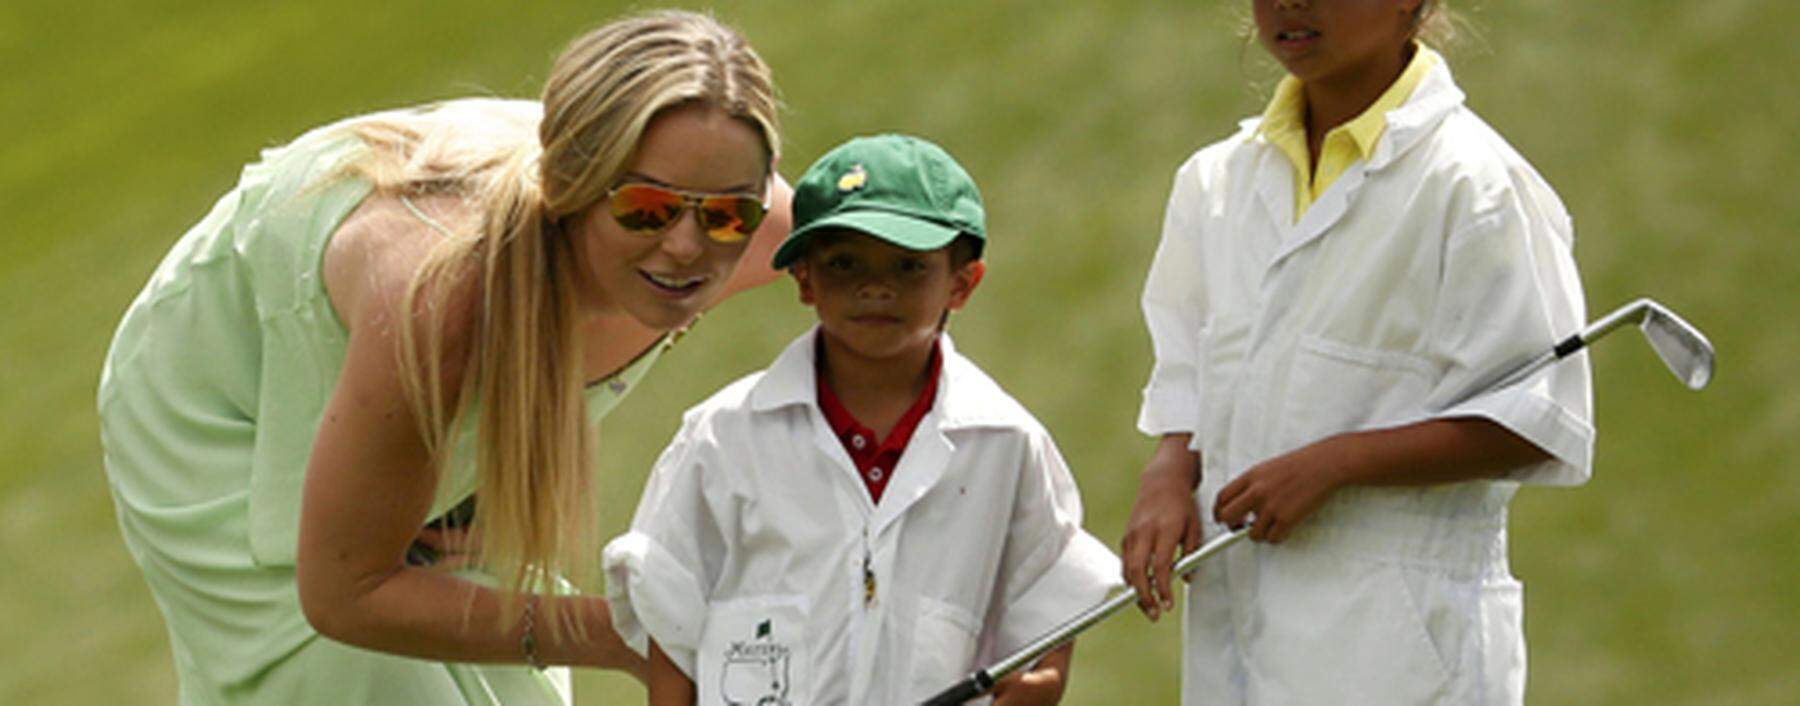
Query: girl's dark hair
x=1435 y=24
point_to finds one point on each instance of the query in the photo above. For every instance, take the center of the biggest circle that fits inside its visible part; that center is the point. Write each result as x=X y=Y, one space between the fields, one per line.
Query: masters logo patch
x=853 y=179
x=756 y=671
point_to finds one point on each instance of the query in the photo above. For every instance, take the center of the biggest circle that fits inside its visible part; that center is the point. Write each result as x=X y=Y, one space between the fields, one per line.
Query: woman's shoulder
x=376 y=251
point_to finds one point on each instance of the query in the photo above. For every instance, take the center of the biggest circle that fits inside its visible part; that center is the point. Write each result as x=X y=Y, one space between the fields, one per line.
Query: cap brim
x=902 y=230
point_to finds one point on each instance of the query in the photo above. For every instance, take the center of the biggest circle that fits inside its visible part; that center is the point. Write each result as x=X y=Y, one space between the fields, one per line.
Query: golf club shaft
x=982 y=680
x=1563 y=349
x=1061 y=634
x=979 y=682
x=1632 y=313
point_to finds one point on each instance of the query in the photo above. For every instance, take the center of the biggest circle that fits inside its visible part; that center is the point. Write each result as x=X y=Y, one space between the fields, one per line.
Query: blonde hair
x=536 y=523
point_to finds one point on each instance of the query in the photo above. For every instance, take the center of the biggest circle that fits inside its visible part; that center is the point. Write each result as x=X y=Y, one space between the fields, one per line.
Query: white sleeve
x=1509 y=292
x=1174 y=312
x=657 y=572
x=1051 y=568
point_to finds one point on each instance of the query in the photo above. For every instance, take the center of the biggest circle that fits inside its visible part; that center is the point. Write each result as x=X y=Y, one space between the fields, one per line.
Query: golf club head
x=1682 y=347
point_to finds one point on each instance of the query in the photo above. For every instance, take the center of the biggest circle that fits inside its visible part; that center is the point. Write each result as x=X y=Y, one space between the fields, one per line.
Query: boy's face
x=877 y=300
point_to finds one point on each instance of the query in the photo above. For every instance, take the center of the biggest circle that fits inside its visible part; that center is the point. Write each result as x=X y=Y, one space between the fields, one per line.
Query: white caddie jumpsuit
x=1419 y=270
x=761 y=567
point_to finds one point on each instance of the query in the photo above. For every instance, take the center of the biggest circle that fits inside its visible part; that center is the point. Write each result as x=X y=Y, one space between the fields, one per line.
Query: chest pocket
x=944 y=643
x=1336 y=387
x=753 y=652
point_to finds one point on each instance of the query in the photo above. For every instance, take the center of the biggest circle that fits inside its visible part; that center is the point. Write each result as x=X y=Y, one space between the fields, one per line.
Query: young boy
x=871 y=517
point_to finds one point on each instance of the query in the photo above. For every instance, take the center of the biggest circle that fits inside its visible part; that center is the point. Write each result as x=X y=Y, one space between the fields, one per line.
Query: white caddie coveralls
x=761 y=567
x=1440 y=257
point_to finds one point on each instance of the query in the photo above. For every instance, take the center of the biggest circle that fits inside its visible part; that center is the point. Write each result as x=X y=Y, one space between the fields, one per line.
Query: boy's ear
x=803 y=279
x=965 y=279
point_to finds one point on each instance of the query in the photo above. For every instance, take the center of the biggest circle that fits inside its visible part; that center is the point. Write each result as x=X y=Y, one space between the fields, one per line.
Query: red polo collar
x=875 y=463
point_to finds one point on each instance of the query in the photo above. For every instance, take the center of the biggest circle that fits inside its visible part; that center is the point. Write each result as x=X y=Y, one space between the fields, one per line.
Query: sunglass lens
x=729 y=219
x=645 y=208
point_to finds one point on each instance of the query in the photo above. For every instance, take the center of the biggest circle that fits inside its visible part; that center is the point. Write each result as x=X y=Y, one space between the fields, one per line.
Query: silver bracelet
x=528 y=639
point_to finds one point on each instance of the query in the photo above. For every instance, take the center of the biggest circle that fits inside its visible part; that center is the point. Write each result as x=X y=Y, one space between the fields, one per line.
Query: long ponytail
x=522 y=377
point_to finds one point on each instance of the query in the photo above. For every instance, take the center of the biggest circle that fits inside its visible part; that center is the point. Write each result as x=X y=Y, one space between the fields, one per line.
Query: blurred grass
x=1669 y=579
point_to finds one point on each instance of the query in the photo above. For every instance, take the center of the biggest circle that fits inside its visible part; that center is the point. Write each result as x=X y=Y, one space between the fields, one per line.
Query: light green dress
x=209 y=402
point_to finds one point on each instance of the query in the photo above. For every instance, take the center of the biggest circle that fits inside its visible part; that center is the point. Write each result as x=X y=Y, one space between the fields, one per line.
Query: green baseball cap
x=901 y=189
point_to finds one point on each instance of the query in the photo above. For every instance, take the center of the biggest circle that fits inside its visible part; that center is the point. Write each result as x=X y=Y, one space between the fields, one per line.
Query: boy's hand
x=1041 y=685
x=1035 y=687
x=1281 y=492
x=1163 y=520
x=667 y=684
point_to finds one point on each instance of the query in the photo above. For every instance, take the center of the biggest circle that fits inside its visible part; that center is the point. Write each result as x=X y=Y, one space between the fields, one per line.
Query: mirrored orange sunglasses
x=649 y=209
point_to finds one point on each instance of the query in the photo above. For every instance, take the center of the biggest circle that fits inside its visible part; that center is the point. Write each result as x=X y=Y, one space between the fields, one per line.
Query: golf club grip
x=1569 y=346
x=960 y=693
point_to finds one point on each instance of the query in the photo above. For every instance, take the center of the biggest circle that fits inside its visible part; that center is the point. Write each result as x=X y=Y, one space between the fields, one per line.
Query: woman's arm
x=370 y=483
x=668 y=686
x=1283 y=491
x=753 y=268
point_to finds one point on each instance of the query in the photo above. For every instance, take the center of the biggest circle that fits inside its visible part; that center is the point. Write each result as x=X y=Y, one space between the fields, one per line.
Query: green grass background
x=1669 y=579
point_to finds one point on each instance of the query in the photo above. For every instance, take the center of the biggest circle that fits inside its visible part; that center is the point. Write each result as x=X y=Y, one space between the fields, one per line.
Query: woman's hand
x=1041 y=685
x=1163 y=519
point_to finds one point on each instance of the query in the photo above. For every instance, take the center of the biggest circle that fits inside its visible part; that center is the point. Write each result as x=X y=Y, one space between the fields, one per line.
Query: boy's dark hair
x=963 y=250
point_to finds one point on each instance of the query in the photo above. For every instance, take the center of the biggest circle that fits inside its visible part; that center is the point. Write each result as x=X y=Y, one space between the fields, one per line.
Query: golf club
x=1683 y=350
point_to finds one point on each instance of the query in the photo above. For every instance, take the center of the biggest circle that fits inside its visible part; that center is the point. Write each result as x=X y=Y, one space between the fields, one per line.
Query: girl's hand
x=1281 y=492
x=1163 y=519
x=1041 y=685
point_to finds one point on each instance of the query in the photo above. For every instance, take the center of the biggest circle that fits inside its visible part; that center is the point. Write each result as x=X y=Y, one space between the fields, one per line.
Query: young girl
x=1330 y=280
x=397 y=312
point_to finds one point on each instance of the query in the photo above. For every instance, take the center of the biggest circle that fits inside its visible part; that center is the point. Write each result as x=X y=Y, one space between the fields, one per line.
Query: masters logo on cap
x=853 y=179
x=901 y=189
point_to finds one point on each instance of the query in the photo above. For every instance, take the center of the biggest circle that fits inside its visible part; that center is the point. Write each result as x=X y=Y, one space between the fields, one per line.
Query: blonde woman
x=397 y=313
